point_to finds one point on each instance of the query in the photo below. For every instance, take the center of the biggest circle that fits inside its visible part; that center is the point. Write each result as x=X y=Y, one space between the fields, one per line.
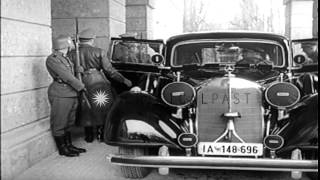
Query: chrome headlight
x=178 y=94
x=282 y=95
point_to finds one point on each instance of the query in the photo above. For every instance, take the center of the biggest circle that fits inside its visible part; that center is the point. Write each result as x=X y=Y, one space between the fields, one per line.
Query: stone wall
x=25 y=44
x=27 y=28
x=106 y=17
x=315 y=19
x=139 y=17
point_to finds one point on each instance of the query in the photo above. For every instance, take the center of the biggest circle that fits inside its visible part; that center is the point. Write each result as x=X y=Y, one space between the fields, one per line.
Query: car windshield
x=227 y=52
x=134 y=52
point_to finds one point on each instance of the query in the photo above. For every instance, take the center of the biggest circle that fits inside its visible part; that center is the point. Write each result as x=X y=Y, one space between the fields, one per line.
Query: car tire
x=131 y=171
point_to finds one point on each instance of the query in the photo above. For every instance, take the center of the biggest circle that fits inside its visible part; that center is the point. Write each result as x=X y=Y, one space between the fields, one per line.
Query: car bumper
x=259 y=164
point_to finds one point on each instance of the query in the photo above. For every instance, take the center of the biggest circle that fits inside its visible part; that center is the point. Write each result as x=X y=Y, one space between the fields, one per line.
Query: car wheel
x=131 y=171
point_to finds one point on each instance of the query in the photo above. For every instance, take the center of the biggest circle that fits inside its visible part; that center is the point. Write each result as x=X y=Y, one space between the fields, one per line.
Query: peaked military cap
x=61 y=42
x=129 y=35
x=309 y=44
x=87 y=34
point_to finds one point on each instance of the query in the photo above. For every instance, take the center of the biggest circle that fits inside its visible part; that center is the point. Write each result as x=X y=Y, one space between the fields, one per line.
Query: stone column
x=25 y=44
x=106 y=17
x=288 y=10
x=139 y=17
x=299 y=19
x=315 y=19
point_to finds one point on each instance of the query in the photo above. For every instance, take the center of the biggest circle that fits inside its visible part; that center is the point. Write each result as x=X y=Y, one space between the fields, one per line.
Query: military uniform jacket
x=65 y=84
x=93 y=57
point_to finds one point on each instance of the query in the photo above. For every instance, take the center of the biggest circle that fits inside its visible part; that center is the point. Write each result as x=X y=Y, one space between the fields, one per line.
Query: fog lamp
x=273 y=142
x=187 y=140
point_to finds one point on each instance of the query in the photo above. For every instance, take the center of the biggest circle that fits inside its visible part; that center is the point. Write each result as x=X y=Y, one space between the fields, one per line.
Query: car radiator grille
x=212 y=102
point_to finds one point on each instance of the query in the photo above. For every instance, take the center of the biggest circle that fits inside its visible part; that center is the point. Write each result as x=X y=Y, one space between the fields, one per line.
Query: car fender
x=140 y=119
x=307 y=83
x=303 y=124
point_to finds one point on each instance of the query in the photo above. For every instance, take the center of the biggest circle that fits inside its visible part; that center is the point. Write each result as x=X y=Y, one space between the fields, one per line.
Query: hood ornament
x=231 y=115
x=229 y=68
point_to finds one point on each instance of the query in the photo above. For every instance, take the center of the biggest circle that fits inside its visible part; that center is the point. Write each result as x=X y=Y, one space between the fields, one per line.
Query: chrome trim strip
x=263 y=41
x=216 y=163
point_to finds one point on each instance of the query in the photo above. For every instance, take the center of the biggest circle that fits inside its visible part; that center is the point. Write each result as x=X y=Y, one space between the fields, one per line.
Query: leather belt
x=91 y=70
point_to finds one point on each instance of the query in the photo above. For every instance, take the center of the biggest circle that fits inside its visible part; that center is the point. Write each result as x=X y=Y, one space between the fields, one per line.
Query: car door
x=305 y=55
x=305 y=64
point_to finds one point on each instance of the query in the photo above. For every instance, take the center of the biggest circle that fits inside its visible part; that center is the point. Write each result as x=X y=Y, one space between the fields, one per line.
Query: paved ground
x=94 y=166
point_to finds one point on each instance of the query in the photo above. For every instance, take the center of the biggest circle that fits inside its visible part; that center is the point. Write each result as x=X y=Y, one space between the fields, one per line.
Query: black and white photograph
x=159 y=89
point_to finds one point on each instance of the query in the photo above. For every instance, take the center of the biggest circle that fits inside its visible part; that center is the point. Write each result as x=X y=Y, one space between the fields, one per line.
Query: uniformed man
x=63 y=96
x=311 y=50
x=96 y=71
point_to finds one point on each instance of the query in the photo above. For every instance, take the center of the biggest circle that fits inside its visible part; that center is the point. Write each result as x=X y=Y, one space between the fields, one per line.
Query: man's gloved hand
x=84 y=90
x=127 y=82
x=79 y=69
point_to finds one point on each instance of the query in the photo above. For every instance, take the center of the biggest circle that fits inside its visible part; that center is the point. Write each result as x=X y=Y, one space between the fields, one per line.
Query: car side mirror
x=157 y=59
x=299 y=59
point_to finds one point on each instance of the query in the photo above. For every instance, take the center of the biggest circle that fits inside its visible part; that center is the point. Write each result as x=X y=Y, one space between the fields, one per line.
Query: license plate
x=230 y=149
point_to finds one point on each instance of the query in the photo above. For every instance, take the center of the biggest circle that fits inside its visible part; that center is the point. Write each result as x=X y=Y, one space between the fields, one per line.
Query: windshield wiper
x=190 y=67
x=196 y=66
x=212 y=66
x=262 y=67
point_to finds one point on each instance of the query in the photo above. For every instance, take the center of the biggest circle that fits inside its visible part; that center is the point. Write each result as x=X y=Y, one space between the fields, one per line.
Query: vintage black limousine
x=220 y=100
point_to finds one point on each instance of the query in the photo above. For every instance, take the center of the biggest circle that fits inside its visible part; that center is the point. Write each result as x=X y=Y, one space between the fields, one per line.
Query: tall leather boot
x=71 y=147
x=88 y=131
x=100 y=133
x=62 y=147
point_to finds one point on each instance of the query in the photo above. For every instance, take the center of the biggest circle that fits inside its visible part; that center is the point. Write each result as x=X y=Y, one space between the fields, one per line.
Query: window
x=227 y=52
x=134 y=52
